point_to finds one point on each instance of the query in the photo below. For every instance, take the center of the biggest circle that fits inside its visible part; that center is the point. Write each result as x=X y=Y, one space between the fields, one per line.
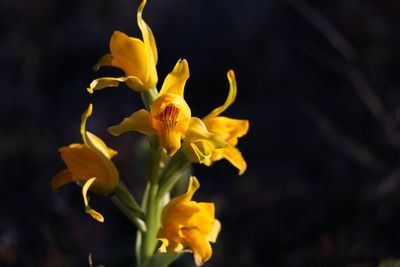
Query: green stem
x=148 y=97
x=140 y=224
x=149 y=240
x=172 y=173
x=122 y=193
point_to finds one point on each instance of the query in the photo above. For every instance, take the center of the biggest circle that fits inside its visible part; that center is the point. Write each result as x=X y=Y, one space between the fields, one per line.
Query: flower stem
x=148 y=97
x=172 y=173
x=149 y=240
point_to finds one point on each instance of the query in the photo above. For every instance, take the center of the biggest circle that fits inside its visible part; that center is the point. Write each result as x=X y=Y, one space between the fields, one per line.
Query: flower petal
x=228 y=129
x=198 y=152
x=170 y=140
x=128 y=54
x=62 y=178
x=101 y=83
x=176 y=201
x=100 y=148
x=233 y=155
x=105 y=60
x=96 y=215
x=198 y=244
x=175 y=82
x=164 y=245
x=216 y=228
x=231 y=96
x=198 y=131
x=150 y=47
x=140 y=121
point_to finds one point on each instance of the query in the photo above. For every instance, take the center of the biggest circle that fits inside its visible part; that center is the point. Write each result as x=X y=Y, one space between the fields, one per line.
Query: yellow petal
x=216 y=228
x=198 y=244
x=176 y=201
x=231 y=96
x=101 y=83
x=84 y=118
x=166 y=100
x=199 y=152
x=97 y=216
x=99 y=148
x=192 y=188
x=83 y=164
x=233 y=155
x=97 y=144
x=140 y=121
x=164 y=245
x=170 y=140
x=150 y=48
x=62 y=178
x=175 y=82
x=105 y=60
x=197 y=131
x=228 y=129
x=128 y=54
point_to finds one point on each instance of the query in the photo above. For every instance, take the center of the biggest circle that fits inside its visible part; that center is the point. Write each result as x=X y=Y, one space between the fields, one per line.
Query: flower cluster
x=180 y=139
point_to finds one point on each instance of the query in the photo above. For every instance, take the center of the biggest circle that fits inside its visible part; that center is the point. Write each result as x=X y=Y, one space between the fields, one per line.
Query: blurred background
x=318 y=81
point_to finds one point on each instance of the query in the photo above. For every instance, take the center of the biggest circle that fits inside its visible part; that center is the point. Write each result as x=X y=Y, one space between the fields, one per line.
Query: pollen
x=169 y=116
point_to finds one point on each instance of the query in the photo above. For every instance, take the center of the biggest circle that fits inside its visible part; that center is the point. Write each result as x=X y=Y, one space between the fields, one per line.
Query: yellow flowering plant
x=166 y=227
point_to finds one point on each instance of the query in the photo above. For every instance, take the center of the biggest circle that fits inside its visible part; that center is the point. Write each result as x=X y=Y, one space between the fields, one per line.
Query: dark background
x=318 y=80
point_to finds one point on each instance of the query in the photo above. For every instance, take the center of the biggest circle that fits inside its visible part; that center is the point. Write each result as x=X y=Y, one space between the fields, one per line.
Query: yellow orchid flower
x=186 y=224
x=90 y=164
x=137 y=58
x=225 y=128
x=169 y=114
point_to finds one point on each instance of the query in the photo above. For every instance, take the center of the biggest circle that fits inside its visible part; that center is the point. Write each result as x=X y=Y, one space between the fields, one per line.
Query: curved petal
x=150 y=47
x=198 y=244
x=96 y=215
x=62 y=178
x=140 y=121
x=105 y=60
x=175 y=82
x=101 y=83
x=231 y=96
x=233 y=155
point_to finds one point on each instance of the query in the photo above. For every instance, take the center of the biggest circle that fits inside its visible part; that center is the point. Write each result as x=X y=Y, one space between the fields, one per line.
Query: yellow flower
x=90 y=164
x=170 y=116
x=225 y=128
x=186 y=224
x=135 y=57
